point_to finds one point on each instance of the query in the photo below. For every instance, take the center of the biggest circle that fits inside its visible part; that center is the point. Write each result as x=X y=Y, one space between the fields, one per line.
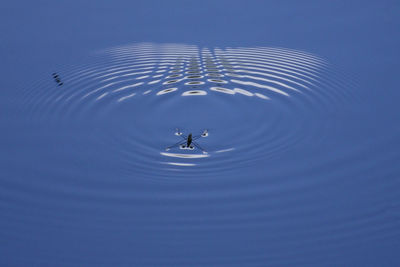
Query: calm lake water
x=294 y=158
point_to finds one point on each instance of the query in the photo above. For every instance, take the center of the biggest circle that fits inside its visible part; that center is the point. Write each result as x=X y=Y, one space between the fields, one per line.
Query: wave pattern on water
x=262 y=87
x=275 y=176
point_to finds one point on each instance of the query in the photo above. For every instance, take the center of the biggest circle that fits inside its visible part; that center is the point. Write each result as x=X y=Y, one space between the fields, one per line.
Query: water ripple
x=272 y=157
x=263 y=88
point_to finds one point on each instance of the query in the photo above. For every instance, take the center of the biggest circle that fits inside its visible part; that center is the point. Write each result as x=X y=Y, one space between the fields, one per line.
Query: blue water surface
x=293 y=111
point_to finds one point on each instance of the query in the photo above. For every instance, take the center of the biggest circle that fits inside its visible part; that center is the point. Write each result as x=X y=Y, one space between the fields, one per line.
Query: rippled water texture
x=105 y=168
x=132 y=100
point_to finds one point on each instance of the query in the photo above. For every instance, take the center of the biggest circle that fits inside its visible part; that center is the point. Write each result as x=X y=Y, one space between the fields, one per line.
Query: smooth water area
x=293 y=162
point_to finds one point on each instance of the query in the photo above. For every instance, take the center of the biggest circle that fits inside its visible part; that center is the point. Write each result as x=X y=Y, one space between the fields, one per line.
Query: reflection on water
x=132 y=89
x=282 y=161
x=185 y=156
